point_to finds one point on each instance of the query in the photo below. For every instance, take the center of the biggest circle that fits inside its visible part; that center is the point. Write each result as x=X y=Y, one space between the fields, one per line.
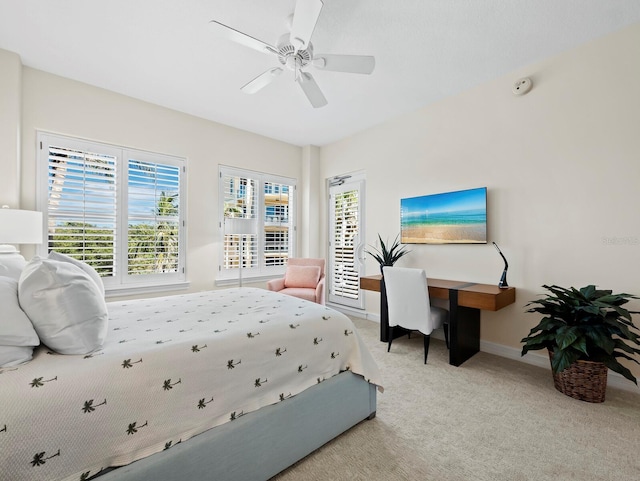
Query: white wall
x=64 y=106
x=10 y=86
x=562 y=168
x=309 y=226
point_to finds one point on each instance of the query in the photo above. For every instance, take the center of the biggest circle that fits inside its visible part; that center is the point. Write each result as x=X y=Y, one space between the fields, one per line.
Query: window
x=116 y=209
x=257 y=227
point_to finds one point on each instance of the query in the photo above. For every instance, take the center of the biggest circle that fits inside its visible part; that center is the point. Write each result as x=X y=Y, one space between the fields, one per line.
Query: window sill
x=133 y=290
x=246 y=280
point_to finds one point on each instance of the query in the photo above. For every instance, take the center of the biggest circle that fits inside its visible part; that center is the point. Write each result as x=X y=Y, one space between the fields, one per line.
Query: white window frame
x=122 y=283
x=229 y=276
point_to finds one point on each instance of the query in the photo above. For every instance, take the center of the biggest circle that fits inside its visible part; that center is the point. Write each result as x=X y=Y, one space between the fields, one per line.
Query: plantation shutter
x=240 y=208
x=82 y=206
x=258 y=223
x=116 y=209
x=276 y=223
x=153 y=217
x=345 y=233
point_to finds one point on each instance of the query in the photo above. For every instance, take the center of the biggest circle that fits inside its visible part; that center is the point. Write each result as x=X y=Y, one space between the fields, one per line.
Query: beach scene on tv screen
x=448 y=218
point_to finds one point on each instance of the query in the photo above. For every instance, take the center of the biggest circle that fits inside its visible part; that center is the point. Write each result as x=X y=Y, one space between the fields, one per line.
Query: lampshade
x=17 y=227
x=20 y=226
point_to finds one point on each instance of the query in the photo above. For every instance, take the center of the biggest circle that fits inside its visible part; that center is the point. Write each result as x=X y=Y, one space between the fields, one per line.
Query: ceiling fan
x=294 y=51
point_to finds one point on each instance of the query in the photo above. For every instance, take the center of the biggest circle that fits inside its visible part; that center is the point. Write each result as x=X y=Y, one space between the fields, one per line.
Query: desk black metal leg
x=384 y=313
x=464 y=330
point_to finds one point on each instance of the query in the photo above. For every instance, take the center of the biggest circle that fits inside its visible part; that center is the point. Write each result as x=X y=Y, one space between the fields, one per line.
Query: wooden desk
x=466 y=300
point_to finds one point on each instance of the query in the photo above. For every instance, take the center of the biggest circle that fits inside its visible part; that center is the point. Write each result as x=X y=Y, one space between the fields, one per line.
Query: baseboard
x=353 y=312
x=614 y=379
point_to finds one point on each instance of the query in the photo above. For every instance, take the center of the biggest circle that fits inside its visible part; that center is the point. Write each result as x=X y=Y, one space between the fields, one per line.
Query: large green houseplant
x=584 y=324
x=387 y=255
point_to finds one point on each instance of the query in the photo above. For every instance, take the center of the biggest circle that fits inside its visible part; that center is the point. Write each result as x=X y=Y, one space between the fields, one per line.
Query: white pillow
x=64 y=304
x=11 y=265
x=15 y=326
x=14 y=355
x=57 y=256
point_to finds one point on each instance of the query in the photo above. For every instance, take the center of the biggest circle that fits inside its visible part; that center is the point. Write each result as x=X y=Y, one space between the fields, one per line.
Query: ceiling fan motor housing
x=289 y=57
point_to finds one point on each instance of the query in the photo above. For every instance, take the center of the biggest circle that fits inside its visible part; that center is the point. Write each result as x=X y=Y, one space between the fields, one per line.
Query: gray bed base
x=259 y=445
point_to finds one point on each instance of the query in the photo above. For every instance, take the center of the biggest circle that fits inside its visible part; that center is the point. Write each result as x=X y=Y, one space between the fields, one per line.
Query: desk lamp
x=503 y=278
x=17 y=227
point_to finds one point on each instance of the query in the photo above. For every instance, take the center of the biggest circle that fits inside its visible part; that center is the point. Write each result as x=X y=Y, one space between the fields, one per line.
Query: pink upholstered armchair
x=304 y=278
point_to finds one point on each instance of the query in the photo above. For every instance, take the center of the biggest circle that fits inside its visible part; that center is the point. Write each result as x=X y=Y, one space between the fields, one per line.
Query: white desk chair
x=409 y=305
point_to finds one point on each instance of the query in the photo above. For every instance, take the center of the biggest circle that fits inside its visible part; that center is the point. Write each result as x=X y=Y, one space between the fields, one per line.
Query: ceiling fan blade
x=261 y=81
x=242 y=38
x=363 y=64
x=311 y=90
x=304 y=22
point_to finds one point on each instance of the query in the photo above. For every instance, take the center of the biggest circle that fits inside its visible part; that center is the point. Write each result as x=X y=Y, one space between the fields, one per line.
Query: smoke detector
x=522 y=86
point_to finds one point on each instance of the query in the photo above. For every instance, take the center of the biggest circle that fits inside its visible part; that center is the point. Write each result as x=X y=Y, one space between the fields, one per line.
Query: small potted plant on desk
x=387 y=256
x=584 y=331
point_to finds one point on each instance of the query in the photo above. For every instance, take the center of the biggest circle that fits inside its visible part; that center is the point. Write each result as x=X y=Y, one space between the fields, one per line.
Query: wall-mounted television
x=449 y=218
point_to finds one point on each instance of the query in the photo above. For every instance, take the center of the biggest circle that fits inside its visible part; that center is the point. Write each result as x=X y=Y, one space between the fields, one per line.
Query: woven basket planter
x=583 y=380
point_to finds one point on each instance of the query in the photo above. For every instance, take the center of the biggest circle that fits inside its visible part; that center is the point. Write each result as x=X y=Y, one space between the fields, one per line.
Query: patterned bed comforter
x=171 y=368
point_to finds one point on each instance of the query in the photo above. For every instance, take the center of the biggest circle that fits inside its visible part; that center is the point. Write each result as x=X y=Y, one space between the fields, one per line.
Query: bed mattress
x=171 y=368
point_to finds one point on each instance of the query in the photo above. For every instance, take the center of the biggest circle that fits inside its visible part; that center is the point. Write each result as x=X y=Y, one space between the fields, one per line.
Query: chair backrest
x=301 y=261
x=408 y=298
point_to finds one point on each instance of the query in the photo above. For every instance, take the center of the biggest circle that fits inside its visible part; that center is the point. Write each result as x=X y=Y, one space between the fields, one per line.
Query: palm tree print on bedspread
x=203 y=404
x=89 y=407
x=126 y=364
x=235 y=415
x=39 y=458
x=167 y=384
x=170 y=444
x=132 y=429
x=38 y=382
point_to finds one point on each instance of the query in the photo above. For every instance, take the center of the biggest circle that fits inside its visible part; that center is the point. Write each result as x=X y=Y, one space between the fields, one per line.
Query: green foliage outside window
x=152 y=246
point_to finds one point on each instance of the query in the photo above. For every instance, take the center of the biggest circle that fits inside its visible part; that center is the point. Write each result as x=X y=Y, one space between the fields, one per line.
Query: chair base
x=427 y=340
x=392 y=335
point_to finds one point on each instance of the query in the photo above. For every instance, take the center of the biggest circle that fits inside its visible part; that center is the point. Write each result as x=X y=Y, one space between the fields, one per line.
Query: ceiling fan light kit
x=294 y=51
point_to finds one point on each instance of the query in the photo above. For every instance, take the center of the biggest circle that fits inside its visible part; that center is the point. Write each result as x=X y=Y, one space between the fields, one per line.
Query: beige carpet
x=492 y=419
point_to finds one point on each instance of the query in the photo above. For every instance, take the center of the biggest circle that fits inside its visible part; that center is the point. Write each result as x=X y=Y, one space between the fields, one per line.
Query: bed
x=233 y=384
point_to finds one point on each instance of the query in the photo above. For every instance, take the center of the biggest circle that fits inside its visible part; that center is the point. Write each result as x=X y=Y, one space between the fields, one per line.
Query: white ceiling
x=165 y=52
